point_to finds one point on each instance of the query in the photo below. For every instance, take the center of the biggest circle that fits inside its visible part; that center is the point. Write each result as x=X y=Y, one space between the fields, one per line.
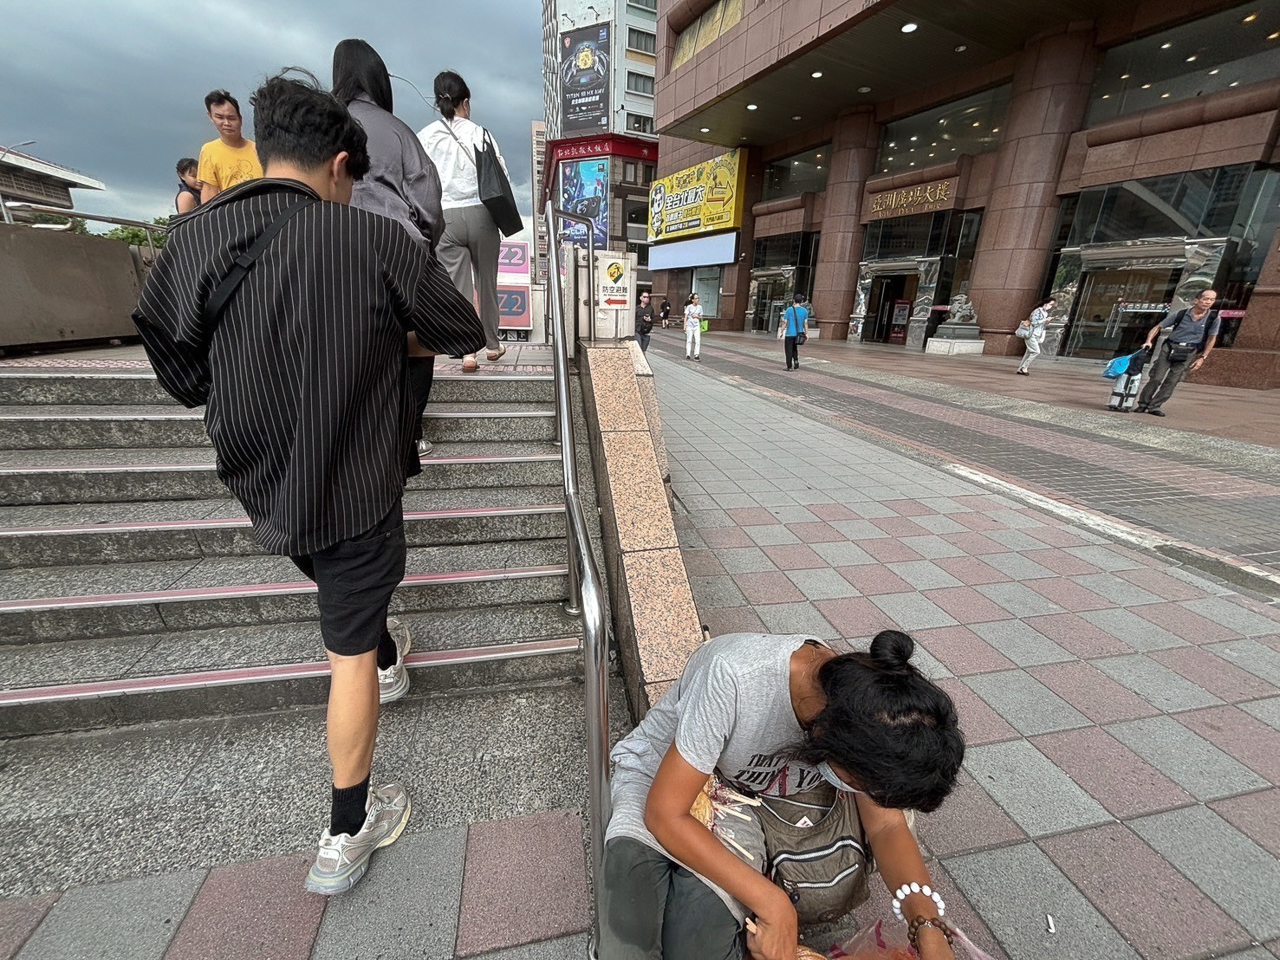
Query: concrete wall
x=59 y=287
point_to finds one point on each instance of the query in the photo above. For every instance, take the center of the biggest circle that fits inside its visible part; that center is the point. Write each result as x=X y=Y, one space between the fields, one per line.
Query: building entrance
x=1116 y=308
x=889 y=308
x=771 y=293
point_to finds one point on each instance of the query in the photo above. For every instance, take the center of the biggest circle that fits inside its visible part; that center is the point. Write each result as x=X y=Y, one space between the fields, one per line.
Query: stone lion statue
x=961 y=310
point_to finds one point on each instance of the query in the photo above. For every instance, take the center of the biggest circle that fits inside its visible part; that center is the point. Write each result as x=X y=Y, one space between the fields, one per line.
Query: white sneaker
x=342 y=860
x=393 y=682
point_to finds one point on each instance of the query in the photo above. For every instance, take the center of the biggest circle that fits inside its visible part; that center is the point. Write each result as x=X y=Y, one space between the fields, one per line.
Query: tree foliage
x=136 y=236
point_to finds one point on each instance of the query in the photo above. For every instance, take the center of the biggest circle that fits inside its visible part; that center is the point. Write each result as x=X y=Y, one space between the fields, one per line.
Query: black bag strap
x=240 y=267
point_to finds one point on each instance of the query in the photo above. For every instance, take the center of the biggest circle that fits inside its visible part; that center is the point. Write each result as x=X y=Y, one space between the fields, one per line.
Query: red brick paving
x=1111 y=773
x=19 y=919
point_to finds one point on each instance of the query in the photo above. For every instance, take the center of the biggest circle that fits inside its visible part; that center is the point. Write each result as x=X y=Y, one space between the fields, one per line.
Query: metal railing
x=586 y=594
x=150 y=228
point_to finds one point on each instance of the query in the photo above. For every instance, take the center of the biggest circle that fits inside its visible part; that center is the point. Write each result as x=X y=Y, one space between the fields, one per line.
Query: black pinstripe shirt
x=303 y=378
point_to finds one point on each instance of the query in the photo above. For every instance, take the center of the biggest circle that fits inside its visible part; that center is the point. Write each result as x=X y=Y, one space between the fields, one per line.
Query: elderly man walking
x=1192 y=332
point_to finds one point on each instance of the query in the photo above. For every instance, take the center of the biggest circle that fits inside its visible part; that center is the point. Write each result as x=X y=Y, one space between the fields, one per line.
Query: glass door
x=1116 y=308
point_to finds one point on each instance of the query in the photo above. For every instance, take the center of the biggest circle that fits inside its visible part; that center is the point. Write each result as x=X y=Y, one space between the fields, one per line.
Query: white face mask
x=832 y=778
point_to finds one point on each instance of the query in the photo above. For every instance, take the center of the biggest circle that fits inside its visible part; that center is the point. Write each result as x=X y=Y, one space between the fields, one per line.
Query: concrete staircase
x=136 y=609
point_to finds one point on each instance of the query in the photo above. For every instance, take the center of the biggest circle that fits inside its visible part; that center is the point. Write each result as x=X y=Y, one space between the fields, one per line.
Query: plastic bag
x=1119 y=366
x=888 y=941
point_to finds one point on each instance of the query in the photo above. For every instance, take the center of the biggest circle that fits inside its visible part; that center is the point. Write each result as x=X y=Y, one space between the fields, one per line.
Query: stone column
x=853 y=158
x=1051 y=84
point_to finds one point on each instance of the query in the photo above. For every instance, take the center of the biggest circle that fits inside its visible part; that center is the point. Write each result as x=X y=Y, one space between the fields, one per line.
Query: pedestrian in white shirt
x=693 y=328
x=471 y=243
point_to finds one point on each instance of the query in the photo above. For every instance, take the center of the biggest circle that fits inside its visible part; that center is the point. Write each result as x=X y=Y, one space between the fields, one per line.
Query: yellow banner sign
x=922 y=198
x=699 y=199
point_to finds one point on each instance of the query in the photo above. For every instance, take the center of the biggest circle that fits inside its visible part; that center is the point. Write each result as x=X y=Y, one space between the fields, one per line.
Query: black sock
x=347 y=813
x=386 y=650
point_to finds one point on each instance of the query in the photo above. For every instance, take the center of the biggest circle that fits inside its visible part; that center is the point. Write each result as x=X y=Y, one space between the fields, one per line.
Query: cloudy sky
x=115 y=88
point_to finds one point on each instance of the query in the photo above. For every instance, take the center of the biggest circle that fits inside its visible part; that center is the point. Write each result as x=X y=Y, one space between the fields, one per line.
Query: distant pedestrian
x=1192 y=333
x=471 y=243
x=665 y=312
x=644 y=322
x=795 y=319
x=693 y=328
x=188 y=196
x=402 y=184
x=300 y=369
x=231 y=159
x=1034 y=327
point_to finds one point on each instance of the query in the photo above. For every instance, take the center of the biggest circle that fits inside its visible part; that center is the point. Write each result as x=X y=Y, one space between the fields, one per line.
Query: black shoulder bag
x=217 y=302
x=492 y=184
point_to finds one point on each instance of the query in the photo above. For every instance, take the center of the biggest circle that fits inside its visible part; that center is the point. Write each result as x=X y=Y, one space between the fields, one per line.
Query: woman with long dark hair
x=778 y=719
x=402 y=182
x=471 y=243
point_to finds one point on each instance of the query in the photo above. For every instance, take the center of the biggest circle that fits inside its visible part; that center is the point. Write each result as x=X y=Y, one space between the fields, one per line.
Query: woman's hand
x=933 y=945
x=776 y=932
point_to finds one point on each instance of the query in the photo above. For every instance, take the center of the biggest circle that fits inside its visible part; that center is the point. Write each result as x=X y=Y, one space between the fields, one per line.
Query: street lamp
x=8 y=217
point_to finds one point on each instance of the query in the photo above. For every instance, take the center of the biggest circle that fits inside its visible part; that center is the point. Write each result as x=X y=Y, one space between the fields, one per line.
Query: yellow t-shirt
x=223 y=167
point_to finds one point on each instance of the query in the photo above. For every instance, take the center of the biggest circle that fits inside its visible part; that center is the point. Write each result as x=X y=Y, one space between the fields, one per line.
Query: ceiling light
x=976 y=123
x=914 y=139
x=1106 y=96
x=1164 y=96
x=819 y=157
x=864 y=89
x=931 y=154
x=1213 y=72
x=889 y=158
x=910 y=27
x=961 y=49
x=1165 y=46
x=893 y=143
x=1250 y=18
x=1234 y=83
x=795 y=163
x=1125 y=76
x=1274 y=36
x=1146 y=86
x=911 y=164
x=817 y=74
x=1191 y=58
x=995 y=129
x=934 y=144
x=752 y=106
x=819 y=166
x=797 y=117
x=704 y=129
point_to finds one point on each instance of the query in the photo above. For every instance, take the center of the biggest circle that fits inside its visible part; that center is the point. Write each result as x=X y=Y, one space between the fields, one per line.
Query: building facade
x=1122 y=160
x=599 y=63
x=28 y=179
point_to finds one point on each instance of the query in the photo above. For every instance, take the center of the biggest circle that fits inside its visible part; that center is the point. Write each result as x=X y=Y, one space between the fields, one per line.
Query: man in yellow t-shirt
x=230 y=159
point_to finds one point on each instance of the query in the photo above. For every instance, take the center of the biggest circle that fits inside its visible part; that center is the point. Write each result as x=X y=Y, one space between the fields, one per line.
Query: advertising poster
x=514 y=309
x=584 y=80
x=699 y=199
x=584 y=190
x=513 y=261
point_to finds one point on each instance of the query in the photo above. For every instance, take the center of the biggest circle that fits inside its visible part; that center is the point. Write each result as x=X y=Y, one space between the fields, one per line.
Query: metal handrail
x=591 y=264
x=585 y=590
x=150 y=228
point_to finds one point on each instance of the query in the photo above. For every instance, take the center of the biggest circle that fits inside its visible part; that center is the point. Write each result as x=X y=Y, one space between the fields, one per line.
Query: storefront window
x=969 y=126
x=1226 y=50
x=800 y=173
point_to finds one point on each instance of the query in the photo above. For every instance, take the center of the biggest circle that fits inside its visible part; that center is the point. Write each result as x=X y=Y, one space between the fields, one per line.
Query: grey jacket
x=402 y=182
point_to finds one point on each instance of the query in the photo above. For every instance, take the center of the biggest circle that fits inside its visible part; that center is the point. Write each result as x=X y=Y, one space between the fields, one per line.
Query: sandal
x=469 y=364
x=501 y=352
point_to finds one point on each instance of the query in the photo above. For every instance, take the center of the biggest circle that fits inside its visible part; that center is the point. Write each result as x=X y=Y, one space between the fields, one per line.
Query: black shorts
x=356 y=579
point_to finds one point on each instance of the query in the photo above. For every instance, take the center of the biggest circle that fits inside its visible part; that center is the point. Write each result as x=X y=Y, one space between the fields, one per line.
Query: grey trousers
x=1164 y=378
x=469 y=251
x=655 y=909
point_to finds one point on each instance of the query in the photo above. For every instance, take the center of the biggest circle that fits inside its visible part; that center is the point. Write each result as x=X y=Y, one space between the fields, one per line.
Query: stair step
x=187 y=473
x=60 y=603
x=54 y=427
x=31 y=387
x=190 y=529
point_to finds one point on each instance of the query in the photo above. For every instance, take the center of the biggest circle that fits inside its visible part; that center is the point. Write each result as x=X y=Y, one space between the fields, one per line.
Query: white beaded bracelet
x=907 y=889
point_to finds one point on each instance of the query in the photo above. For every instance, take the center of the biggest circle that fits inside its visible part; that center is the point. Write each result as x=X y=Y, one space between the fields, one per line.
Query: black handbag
x=492 y=184
x=801 y=337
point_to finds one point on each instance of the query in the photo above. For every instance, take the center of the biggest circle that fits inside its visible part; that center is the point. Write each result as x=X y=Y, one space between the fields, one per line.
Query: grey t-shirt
x=1183 y=328
x=731 y=712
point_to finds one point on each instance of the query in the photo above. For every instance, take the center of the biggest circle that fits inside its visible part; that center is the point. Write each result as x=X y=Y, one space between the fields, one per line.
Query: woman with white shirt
x=471 y=243
x=693 y=328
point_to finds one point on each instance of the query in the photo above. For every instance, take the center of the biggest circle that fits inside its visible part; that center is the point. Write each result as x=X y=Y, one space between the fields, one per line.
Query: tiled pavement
x=1122 y=712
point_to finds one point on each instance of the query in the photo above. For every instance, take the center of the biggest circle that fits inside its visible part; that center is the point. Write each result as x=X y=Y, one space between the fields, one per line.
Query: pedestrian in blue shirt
x=795 y=319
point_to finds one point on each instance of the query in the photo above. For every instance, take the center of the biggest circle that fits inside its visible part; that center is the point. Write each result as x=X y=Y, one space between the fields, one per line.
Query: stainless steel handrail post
x=585 y=583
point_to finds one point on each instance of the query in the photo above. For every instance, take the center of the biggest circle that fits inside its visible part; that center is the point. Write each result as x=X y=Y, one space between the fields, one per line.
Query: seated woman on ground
x=772 y=716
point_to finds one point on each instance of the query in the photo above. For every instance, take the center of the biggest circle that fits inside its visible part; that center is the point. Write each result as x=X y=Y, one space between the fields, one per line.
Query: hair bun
x=892 y=650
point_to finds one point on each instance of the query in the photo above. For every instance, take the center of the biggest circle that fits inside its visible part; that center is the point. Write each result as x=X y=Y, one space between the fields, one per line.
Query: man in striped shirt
x=302 y=373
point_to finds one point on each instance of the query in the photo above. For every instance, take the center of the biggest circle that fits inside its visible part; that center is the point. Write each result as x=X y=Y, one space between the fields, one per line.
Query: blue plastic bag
x=1118 y=367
